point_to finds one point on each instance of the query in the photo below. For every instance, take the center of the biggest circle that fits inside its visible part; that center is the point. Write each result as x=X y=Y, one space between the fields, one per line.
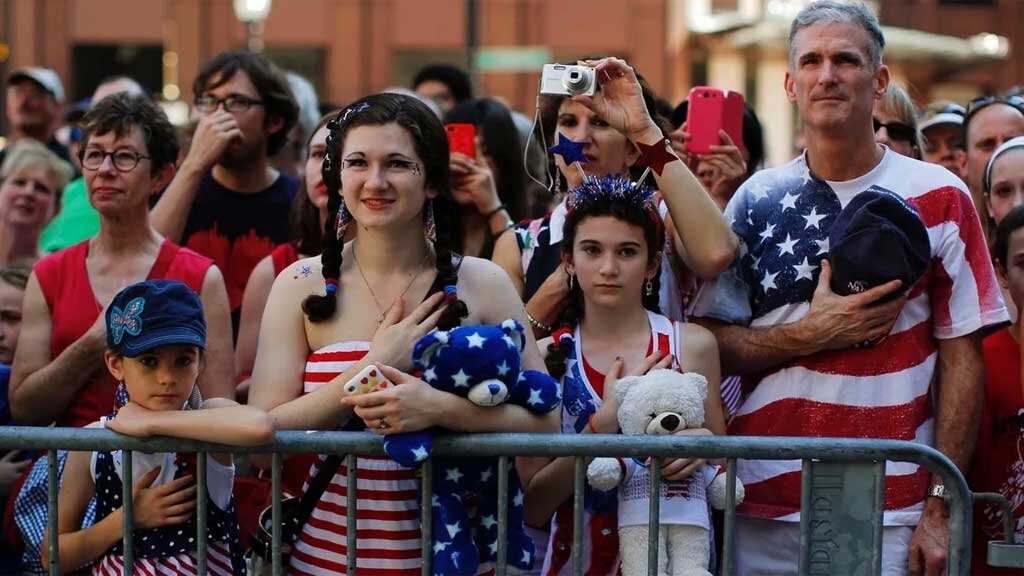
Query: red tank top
x=64 y=281
x=283 y=256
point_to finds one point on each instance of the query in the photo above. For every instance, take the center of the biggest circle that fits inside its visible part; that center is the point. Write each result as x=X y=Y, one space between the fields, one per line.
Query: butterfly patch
x=128 y=320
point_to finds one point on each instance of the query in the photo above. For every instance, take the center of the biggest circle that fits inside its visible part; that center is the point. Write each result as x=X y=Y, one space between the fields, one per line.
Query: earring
x=120 y=395
x=649 y=287
x=572 y=280
x=429 y=225
x=344 y=219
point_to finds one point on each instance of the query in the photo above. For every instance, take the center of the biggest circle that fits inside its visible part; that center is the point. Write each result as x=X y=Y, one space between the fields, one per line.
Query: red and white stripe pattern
x=882 y=391
x=218 y=563
x=387 y=517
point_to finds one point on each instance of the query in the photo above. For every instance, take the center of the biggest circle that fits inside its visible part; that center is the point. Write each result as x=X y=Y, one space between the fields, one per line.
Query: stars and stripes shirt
x=782 y=217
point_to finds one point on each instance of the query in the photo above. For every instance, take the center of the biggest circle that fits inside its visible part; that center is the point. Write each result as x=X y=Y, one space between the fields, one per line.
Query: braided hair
x=609 y=196
x=431 y=146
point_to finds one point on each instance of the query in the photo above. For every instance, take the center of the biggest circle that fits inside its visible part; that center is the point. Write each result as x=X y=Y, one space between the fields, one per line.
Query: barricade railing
x=842 y=492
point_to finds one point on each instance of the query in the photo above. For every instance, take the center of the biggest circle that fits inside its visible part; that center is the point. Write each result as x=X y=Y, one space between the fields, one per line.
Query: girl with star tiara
x=613 y=132
x=367 y=302
x=155 y=340
x=610 y=327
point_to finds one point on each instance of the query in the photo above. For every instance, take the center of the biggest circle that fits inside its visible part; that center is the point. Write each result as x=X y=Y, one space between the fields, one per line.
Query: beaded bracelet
x=533 y=322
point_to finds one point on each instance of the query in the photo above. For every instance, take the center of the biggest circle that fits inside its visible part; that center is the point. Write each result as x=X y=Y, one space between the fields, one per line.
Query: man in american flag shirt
x=779 y=324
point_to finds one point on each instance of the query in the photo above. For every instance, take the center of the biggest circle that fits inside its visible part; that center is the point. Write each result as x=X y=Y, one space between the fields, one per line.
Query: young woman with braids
x=614 y=127
x=610 y=327
x=367 y=302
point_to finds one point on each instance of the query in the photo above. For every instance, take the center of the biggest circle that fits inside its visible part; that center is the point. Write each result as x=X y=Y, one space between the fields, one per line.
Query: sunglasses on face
x=896 y=130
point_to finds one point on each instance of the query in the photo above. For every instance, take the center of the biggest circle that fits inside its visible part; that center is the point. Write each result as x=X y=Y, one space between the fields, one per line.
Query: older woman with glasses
x=895 y=122
x=31 y=180
x=128 y=154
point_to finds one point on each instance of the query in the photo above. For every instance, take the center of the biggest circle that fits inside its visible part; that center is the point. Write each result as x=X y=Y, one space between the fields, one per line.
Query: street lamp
x=252 y=13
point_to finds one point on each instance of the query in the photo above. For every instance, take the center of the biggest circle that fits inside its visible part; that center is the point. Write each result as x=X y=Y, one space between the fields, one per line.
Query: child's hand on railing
x=132 y=420
x=165 y=505
x=681 y=468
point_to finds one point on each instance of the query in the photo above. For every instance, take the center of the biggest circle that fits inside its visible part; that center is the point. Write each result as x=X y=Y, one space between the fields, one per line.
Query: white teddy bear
x=662 y=402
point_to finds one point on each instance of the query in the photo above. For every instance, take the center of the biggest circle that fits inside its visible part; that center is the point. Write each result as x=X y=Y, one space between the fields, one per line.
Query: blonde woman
x=895 y=121
x=31 y=181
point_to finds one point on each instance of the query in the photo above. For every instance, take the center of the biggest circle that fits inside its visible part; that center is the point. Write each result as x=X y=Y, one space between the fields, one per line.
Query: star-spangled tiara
x=614 y=187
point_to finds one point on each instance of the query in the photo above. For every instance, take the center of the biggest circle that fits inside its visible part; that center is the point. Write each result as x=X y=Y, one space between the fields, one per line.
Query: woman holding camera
x=615 y=128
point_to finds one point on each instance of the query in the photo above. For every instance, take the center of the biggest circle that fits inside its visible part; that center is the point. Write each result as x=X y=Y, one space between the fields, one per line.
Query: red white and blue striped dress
x=387 y=518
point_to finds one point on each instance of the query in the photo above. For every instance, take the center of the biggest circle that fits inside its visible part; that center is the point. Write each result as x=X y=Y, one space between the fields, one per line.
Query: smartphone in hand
x=711 y=110
x=369 y=379
x=461 y=138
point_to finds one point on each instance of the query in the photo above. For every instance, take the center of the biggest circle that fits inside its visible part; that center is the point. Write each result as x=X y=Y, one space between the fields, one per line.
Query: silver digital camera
x=566 y=80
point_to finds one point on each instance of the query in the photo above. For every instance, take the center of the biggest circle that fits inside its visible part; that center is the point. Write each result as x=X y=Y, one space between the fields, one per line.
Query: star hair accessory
x=615 y=188
x=128 y=320
x=570 y=150
x=657 y=155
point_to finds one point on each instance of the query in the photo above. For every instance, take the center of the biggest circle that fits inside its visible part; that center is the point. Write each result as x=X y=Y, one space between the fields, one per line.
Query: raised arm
x=710 y=244
x=213 y=135
x=218 y=378
x=546 y=304
x=42 y=387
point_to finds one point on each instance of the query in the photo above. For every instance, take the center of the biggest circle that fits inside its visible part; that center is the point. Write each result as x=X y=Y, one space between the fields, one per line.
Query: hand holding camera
x=619 y=102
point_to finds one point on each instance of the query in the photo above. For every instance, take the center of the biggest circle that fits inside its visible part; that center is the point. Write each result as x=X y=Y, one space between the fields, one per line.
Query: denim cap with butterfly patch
x=154 y=313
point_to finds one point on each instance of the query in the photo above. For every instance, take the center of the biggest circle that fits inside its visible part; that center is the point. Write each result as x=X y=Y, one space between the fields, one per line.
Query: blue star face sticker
x=570 y=150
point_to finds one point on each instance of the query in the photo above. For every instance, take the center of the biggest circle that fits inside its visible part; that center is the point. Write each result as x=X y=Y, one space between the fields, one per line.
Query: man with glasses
x=821 y=360
x=942 y=131
x=989 y=122
x=227 y=202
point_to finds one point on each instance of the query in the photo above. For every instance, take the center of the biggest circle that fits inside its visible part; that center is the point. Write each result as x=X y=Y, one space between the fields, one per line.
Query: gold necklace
x=381 y=312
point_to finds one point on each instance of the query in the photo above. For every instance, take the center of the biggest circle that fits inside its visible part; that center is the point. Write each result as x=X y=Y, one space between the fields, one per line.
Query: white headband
x=986 y=181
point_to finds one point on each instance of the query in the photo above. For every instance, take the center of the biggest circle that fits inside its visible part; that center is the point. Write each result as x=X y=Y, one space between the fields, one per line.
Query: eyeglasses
x=974 y=106
x=124 y=160
x=896 y=130
x=207 y=104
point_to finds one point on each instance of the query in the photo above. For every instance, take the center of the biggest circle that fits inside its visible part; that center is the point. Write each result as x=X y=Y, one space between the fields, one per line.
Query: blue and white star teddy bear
x=481 y=363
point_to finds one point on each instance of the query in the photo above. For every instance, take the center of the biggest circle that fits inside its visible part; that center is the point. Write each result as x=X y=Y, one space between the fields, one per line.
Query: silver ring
x=382 y=424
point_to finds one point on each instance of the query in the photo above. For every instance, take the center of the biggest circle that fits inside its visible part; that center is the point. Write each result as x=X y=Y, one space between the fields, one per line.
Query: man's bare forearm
x=961 y=392
x=744 y=350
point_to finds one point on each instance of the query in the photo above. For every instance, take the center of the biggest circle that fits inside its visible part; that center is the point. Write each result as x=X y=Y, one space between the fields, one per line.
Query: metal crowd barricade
x=843 y=484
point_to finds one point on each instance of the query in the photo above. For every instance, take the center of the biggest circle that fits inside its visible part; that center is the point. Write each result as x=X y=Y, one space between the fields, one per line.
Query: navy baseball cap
x=154 y=313
x=878 y=237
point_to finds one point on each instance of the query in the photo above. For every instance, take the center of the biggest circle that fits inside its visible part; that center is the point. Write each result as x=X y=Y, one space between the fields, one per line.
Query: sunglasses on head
x=985 y=101
x=897 y=130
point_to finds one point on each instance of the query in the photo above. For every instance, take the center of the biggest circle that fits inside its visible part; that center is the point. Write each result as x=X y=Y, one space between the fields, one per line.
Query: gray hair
x=840 y=12
x=309 y=104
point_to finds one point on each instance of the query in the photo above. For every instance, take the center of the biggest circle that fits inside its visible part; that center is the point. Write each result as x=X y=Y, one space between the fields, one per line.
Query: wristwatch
x=937 y=491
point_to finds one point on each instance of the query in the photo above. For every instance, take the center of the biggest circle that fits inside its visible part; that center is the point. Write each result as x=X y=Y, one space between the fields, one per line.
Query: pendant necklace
x=381 y=311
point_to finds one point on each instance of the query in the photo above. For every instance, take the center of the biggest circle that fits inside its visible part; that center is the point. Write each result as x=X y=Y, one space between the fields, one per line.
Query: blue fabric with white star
x=782 y=220
x=456 y=361
x=221 y=525
x=570 y=150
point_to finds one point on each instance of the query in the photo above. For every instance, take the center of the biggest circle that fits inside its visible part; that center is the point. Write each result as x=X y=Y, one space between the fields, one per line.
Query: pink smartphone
x=711 y=110
x=461 y=138
x=369 y=379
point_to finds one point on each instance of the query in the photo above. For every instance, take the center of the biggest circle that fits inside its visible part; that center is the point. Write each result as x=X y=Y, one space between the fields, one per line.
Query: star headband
x=614 y=188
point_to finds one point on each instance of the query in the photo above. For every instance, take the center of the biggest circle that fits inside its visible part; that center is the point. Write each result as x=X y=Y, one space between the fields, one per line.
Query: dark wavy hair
x=643 y=216
x=119 y=113
x=455 y=78
x=431 y=145
x=549 y=106
x=269 y=81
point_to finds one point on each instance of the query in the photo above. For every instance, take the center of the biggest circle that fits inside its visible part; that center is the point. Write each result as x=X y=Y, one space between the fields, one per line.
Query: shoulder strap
x=316 y=488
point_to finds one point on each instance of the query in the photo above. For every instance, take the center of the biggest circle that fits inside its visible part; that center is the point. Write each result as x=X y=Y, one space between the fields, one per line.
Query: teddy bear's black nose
x=670 y=422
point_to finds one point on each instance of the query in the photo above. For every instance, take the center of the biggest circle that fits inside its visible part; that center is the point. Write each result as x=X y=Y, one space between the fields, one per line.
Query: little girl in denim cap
x=155 y=342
